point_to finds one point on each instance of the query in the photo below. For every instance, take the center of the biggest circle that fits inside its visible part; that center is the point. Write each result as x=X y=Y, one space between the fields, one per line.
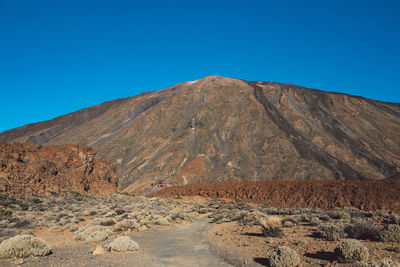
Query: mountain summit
x=218 y=129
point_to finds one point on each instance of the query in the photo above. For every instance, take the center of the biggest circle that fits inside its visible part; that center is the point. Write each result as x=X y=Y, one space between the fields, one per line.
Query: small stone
x=99 y=251
x=142 y=228
x=19 y=261
x=288 y=224
x=162 y=221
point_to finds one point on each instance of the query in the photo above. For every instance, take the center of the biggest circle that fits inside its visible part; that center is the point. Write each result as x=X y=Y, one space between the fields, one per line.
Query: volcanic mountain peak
x=218 y=128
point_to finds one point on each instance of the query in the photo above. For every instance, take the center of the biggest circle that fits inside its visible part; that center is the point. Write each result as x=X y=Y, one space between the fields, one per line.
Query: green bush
x=351 y=251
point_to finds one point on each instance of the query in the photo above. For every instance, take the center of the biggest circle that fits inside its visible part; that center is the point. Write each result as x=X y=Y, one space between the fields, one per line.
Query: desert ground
x=125 y=230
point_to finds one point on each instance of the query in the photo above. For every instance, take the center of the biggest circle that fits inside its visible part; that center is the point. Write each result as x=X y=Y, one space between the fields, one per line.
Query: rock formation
x=36 y=170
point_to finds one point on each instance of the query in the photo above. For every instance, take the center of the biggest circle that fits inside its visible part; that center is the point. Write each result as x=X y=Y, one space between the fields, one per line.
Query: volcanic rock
x=35 y=170
x=218 y=129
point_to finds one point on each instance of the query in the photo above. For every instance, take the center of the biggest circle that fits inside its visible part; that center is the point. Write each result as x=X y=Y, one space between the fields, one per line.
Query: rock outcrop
x=36 y=170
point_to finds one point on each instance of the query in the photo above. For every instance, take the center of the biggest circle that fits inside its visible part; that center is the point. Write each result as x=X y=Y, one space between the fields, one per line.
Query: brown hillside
x=242 y=131
x=28 y=169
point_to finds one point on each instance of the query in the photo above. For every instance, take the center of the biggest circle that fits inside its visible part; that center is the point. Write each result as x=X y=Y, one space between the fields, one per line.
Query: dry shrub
x=93 y=234
x=390 y=233
x=331 y=232
x=283 y=256
x=363 y=230
x=351 y=251
x=22 y=246
x=123 y=244
x=271 y=226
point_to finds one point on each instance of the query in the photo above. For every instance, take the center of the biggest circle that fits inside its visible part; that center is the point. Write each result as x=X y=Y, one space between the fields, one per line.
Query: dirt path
x=181 y=245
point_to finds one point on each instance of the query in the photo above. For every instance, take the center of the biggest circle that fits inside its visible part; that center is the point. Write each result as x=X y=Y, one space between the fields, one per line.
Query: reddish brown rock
x=365 y=195
x=28 y=169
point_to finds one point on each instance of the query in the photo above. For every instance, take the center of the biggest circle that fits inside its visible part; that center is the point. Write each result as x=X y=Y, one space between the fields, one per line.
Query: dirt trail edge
x=180 y=246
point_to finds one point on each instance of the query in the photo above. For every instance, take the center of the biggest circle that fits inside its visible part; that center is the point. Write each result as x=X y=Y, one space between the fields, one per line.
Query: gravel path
x=180 y=246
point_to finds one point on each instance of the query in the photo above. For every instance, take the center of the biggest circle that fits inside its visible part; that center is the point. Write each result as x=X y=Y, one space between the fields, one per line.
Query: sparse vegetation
x=283 y=256
x=76 y=195
x=5 y=212
x=23 y=246
x=93 y=233
x=331 y=232
x=271 y=227
x=390 y=233
x=123 y=244
x=393 y=219
x=351 y=251
x=315 y=221
x=363 y=230
x=338 y=214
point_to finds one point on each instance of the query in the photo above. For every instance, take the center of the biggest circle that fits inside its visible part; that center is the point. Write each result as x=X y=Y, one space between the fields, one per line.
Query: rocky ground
x=123 y=230
x=324 y=194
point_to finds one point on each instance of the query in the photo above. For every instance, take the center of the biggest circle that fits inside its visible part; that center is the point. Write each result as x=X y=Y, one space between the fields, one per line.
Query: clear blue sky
x=58 y=56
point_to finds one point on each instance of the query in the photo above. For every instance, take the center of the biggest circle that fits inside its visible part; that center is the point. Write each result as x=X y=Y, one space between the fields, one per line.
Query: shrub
x=315 y=221
x=302 y=218
x=182 y=216
x=126 y=194
x=125 y=225
x=356 y=213
x=271 y=227
x=23 y=246
x=363 y=230
x=390 y=233
x=76 y=195
x=330 y=232
x=324 y=217
x=393 y=219
x=106 y=222
x=338 y=214
x=93 y=234
x=289 y=219
x=381 y=213
x=283 y=256
x=351 y=251
x=5 y=212
x=124 y=244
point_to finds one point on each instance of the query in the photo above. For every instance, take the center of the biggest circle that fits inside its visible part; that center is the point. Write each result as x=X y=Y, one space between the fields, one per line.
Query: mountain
x=218 y=129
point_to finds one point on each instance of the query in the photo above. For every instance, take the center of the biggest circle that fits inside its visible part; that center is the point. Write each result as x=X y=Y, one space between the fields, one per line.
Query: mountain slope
x=242 y=131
